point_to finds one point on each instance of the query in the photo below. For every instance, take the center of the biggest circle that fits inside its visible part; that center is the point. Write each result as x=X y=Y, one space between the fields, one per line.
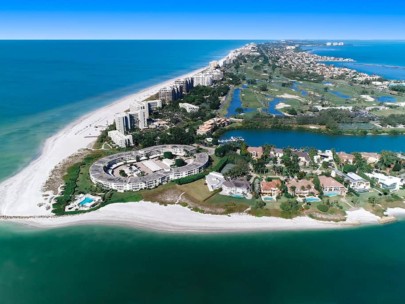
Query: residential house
x=303 y=158
x=346 y=158
x=371 y=158
x=214 y=181
x=271 y=188
x=302 y=188
x=386 y=182
x=237 y=188
x=356 y=182
x=277 y=152
x=331 y=187
x=324 y=156
x=255 y=152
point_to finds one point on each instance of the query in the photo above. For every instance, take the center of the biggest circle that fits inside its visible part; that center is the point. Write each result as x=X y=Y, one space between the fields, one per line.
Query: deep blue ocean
x=46 y=84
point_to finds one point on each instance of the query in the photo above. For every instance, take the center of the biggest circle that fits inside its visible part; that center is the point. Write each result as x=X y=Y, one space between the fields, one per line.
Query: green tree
x=168 y=155
x=179 y=162
x=263 y=87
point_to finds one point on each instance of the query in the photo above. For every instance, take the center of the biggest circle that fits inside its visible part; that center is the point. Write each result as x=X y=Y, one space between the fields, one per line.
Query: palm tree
x=293 y=188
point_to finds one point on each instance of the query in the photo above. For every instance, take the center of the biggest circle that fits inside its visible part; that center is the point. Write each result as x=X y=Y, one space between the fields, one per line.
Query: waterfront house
x=237 y=188
x=303 y=158
x=346 y=158
x=371 y=158
x=271 y=188
x=356 y=182
x=255 y=152
x=301 y=188
x=214 y=181
x=331 y=187
x=324 y=156
x=277 y=152
x=386 y=182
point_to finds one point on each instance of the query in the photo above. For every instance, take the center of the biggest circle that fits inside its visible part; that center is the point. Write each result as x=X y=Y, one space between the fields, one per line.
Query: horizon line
x=198 y=39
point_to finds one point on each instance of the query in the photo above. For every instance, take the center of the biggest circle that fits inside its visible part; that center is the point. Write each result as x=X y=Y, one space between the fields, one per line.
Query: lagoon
x=299 y=139
x=236 y=103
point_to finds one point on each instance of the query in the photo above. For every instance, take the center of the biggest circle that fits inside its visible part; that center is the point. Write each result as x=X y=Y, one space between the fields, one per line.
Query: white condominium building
x=189 y=107
x=120 y=139
x=217 y=75
x=123 y=122
x=154 y=104
x=203 y=79
x=185 y=85
x=169 y=94
x=139 y=111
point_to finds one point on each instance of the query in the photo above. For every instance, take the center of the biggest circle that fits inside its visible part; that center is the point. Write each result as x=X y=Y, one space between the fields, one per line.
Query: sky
x=205 y=19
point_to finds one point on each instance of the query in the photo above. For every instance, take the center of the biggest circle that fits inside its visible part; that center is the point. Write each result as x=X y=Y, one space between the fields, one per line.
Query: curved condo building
x=146 y=168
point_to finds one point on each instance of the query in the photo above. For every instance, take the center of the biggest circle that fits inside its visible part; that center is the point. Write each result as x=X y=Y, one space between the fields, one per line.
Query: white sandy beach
x=20 y=194
x=175 y=218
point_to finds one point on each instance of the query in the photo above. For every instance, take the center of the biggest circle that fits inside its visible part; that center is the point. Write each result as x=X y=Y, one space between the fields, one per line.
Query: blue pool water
x=312 y=200
x=332 y=194
x=267 y=199
x=86 y=201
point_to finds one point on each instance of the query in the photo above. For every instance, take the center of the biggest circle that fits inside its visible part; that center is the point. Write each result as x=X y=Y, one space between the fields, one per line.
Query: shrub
x=323 y=208
x=190 y=179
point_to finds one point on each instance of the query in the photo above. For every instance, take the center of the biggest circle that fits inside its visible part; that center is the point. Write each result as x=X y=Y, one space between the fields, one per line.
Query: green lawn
x=250 y=99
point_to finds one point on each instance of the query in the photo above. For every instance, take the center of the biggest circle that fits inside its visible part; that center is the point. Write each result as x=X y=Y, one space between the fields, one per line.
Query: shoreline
x=20 y=193
x=177 y=219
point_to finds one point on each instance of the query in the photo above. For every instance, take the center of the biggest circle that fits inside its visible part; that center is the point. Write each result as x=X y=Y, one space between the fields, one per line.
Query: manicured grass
x=250 y=99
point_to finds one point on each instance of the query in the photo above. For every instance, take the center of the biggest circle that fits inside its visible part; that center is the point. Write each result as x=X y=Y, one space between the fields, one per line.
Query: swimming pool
x=267 y=199
x=332 y=194
x=312 y=199
x=86 y=201
x=237 y=196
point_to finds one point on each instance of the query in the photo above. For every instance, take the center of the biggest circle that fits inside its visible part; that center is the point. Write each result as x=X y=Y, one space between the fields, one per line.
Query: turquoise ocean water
x=96 y=264
x=44 y=85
